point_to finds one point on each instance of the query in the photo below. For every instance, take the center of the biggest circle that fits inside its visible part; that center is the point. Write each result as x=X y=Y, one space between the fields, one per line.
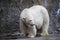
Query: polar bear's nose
x=32 y=24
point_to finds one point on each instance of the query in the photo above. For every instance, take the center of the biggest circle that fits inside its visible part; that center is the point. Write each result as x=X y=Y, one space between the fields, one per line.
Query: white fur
x=39 y=16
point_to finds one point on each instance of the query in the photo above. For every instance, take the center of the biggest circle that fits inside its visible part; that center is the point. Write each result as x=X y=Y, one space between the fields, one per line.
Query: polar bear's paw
x=44 y=34
x=22 y=35
x=31 y=36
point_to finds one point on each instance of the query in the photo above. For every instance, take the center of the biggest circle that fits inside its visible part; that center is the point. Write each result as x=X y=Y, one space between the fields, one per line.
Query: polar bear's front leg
x=32 y=32
x=22 y=29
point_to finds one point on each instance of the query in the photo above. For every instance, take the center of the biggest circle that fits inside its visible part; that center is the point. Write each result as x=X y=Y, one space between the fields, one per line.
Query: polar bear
x=34 y=18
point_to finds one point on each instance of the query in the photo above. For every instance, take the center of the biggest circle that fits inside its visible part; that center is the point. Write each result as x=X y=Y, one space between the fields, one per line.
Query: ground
x=50 y=37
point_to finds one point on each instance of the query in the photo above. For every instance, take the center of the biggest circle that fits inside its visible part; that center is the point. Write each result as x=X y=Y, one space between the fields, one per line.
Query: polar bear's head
x=30 y=23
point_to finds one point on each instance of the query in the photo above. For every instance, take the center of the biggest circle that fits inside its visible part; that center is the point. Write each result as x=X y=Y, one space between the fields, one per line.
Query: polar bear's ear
x=24 y=19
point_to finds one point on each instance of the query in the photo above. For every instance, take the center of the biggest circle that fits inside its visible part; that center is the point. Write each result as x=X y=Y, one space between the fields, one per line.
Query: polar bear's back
x=38 y=9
